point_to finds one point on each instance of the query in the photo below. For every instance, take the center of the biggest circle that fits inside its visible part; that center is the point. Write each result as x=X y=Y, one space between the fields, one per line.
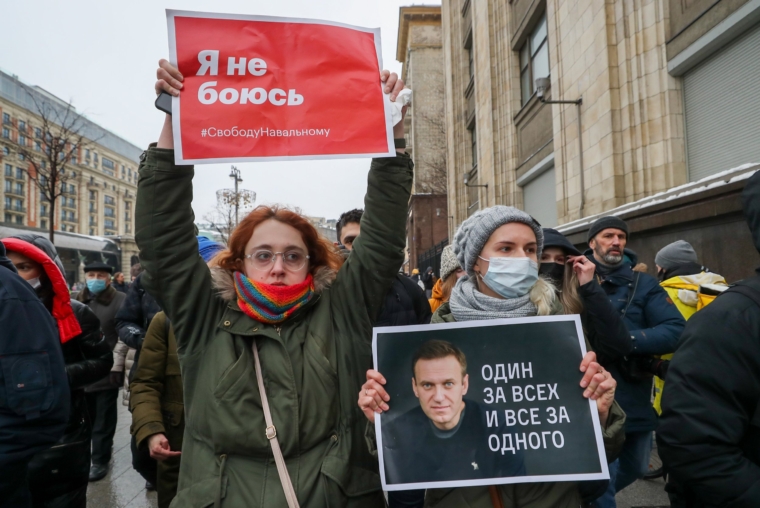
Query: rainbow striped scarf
x=271 y=304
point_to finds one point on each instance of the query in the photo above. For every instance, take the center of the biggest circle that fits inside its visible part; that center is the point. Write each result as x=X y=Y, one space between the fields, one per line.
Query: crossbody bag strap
x=271 y=432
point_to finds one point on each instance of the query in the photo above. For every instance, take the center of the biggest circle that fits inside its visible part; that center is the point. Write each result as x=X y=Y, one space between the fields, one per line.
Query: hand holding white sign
x=169 y=80
x=598 y=383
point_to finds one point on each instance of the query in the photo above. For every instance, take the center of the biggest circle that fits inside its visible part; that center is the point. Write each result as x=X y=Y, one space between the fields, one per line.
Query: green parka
x=313 y=364
x=526 y=495
x=157 y=402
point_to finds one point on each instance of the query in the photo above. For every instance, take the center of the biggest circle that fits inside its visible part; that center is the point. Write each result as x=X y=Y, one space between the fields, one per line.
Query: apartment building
x=99 y=196
x=656 y=96
x=420 y=50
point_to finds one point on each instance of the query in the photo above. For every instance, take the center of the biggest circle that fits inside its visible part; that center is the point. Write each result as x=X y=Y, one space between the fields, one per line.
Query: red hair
x=321 y=251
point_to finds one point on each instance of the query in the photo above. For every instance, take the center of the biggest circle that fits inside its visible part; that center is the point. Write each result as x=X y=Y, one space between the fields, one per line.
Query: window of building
x=19 y=219
x=6 y=118
x=43 y=209
x=44 y=224
x=6 y=133
x=21 y=126
x=37 y=146
x=109 y=212
x=93 y=195
x=8 y=217
x=534 y=60
x=8 y=170
x=72 y=189
x=43 y=164
x=95 y=159
x=470 y=56
x=108 y=163
x=37 y=133
x=19 y=173
x=7 y=203
x=18 y=205
x=109 y=224
x=19 y=188
x=72 y=203
x=21 y=157
x=92 y=232
x=71 y=217
x=22 y=140
x=6 y=150
x=109 y=200
x=8 y=186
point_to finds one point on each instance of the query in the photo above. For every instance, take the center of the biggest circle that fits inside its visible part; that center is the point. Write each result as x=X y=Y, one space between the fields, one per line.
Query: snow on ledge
x=709 y=182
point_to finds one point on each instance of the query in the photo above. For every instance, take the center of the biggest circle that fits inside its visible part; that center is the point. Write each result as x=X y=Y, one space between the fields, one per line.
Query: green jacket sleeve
x=378 y=252
x=614 y=433
x=147 y=387
x=175 y=274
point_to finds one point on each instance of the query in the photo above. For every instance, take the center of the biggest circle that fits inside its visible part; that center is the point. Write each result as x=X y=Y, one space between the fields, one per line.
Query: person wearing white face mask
x=499 y=248
x=105 y=302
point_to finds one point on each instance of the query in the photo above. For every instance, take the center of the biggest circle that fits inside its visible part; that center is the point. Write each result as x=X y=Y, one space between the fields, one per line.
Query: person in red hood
x=58 y=476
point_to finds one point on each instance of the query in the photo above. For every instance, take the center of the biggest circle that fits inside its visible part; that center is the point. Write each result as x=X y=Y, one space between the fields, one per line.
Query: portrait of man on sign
x=443 y=438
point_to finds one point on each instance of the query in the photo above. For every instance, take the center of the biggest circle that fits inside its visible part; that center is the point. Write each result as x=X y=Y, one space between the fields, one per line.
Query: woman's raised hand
x=599 y=386
x=169 y=78
x=583 y=267
x=373 y=398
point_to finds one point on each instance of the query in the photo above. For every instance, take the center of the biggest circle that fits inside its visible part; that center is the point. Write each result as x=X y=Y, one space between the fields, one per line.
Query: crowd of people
x=247 y=367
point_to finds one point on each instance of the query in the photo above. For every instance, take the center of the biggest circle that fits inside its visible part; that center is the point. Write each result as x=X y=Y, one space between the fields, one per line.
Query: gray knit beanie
x=475 y=231
x=449 y=262
x=676 y=254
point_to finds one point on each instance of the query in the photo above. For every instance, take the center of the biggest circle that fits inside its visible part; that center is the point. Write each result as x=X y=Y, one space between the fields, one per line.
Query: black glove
x=116 y=377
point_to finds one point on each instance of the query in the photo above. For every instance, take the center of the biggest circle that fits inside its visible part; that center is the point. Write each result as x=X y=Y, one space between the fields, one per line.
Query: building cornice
x=414 y=15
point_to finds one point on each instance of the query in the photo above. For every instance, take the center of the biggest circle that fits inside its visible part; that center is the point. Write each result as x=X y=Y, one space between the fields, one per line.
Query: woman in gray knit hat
x=499 y=248
x=451 y=272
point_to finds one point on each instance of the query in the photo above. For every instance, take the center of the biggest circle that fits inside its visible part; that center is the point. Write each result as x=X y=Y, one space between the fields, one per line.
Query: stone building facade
x=98 y=201
x=419 y=49
x=668 y=96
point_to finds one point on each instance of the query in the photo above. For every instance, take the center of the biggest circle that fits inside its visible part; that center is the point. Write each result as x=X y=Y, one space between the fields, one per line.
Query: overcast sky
x=102 y=55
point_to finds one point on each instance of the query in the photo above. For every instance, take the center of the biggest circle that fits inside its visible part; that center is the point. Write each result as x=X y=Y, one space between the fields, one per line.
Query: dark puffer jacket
x=65 y=466
x=34 y=403
x=709 y=433
x=405 y=304
x=654 y=324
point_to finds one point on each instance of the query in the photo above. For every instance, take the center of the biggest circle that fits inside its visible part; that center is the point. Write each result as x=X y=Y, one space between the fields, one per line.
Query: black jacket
x=34 y=402
x=413 y=453
x=405 y=304
x=654 y=325
x=427 y=279
x=709 y=433
x=605 y=330
x=134 y=317
x=105 y=306
x=66 y=466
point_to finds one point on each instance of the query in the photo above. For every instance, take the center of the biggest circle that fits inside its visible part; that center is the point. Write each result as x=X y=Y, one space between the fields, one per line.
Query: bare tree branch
x=50 y=147
x=222 y=217
x=431 y=177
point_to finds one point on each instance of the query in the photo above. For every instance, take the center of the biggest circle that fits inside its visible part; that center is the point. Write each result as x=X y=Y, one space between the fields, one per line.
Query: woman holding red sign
x=274 y=340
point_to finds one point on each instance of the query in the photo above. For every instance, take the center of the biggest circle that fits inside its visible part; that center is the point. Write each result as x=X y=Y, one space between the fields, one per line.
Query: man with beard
x=655 y=325
x=445 y=437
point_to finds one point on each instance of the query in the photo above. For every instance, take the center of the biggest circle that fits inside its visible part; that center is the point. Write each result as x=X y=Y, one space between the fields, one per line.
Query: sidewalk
x=123 y=487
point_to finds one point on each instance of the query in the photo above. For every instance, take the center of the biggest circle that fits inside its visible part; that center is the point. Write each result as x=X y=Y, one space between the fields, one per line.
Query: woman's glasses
x=292 y=260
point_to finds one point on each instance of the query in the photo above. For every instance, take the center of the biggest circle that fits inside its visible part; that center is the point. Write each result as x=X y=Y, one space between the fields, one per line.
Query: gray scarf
x=469 y=304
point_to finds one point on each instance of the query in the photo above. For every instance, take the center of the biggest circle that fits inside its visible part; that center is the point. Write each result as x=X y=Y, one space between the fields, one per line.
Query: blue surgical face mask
x=96 y=286
x=511 y=277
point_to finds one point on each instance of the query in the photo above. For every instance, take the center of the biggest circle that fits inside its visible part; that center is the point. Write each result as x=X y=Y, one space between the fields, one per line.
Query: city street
x=124 y=488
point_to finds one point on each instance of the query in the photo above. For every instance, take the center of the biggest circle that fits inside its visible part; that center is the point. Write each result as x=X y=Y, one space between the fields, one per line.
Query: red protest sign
x=263 y=88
